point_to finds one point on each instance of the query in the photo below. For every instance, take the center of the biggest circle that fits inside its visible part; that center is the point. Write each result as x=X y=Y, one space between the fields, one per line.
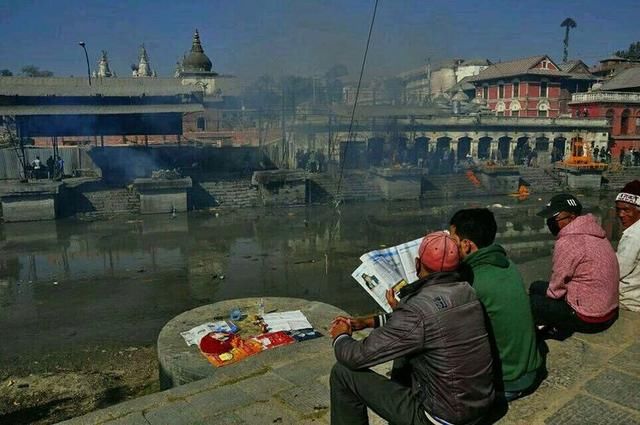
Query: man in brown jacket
x=436 y=334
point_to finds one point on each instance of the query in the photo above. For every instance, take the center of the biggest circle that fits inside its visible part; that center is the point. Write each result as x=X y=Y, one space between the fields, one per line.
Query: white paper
x=194 y=335
x=387 y=268
x=286 y=321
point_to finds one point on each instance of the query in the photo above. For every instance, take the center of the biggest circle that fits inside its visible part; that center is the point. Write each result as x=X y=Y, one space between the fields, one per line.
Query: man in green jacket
x=500 y=289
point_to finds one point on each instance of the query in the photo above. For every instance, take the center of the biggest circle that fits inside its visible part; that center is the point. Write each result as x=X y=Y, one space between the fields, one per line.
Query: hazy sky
x=252 y=37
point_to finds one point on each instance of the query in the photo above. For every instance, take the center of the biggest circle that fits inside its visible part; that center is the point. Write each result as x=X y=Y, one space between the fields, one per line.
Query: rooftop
x=624 y=80
x=79 y=87
x=525 y=66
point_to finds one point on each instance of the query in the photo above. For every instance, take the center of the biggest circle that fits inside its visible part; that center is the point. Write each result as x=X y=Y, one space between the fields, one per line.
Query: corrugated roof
x=517 y=67
x=76 y=86
x=99 y=109
x=627 y=79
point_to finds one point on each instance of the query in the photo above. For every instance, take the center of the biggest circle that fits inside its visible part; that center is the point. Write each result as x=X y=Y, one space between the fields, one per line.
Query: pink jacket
x=585 y=269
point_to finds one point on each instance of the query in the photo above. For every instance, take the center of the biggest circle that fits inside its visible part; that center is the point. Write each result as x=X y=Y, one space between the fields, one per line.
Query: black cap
x=561 y=202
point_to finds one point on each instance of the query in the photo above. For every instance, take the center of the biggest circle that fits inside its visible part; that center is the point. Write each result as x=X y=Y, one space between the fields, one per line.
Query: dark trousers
x=352 y=391
x=559 y=314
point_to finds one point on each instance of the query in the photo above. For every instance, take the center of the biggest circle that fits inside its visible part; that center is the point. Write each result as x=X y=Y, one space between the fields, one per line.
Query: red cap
x=438 y=252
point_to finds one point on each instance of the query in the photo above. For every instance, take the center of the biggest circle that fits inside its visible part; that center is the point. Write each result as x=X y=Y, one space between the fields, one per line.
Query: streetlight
x=82 y=44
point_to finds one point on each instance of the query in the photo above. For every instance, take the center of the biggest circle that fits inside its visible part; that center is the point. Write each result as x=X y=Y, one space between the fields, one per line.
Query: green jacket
x=499 y=287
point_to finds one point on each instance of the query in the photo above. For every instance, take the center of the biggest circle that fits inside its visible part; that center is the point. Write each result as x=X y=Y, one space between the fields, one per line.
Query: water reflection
x=122 y=280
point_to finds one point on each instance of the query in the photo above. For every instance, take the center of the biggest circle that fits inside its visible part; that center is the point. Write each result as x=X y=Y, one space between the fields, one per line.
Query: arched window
x=624 y=122
x=200 y=123
x=610 y=115
x=638 y=122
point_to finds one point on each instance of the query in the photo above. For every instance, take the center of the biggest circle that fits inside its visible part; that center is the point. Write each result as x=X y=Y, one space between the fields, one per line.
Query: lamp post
x=84 y=47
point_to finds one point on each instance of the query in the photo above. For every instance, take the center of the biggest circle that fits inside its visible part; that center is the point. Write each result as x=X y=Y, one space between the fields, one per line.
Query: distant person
x=628 y=211
x=622 y=154
x=436 y=334
x=582 y=294
x=36 y=164
x=59 y=168
x=596 y=153
x=50 y=167
x=500 y=289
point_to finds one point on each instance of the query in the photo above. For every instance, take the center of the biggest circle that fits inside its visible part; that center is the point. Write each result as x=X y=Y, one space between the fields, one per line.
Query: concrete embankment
x=592 y=379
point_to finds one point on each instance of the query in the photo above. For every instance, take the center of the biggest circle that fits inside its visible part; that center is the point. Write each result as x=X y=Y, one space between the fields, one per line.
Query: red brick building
x=617 y=100
x=529 y=87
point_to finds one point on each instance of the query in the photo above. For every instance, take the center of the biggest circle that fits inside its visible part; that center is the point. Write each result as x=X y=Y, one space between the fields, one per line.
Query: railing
x=605 y=97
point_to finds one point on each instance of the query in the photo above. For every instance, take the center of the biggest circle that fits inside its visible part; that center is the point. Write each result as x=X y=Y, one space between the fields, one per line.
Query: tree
x=334 y=83
x=568 y=24
x=5 y=73
x=34 y=71
x=633 y=52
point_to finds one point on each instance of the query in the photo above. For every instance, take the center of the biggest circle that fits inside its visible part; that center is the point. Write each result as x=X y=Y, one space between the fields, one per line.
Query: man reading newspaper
x=436 y=336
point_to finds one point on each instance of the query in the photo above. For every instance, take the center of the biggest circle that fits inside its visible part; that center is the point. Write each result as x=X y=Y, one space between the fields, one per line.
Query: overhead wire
x=355 y=105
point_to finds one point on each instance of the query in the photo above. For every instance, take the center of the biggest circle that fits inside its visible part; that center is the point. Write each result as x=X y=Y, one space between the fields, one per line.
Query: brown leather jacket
x=439 y=328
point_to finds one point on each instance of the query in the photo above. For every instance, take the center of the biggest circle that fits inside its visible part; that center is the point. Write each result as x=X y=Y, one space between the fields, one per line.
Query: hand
x=357 y=323
x=340 y=325
x=390 y=295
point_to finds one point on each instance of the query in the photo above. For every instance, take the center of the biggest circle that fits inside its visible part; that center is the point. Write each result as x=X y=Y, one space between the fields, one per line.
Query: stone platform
x=163 y=195
x=32 y=201
x=180 y=364
x=593 y=379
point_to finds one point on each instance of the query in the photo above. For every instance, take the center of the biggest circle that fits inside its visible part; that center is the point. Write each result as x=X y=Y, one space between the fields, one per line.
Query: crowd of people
x=466 y=337
x=630 y=157
x=53 y=169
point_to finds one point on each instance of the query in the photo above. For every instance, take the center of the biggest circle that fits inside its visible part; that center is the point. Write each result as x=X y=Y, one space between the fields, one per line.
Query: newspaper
x=194 y=335
x=286 y=321
x=387 y=268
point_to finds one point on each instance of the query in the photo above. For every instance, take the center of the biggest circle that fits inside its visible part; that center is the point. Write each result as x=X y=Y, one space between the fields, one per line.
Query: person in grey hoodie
x=436 y=333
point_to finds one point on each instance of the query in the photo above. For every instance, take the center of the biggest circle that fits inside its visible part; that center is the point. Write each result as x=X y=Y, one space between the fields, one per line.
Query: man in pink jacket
x=582 y=294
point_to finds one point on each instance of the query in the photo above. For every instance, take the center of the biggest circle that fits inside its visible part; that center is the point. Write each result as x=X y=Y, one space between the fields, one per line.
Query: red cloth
x=585 y=269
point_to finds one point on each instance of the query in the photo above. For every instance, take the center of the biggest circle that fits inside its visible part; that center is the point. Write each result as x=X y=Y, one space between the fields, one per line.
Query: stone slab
x=180 y=364
x=587 y=410
x=616 y=387
x=162 y=202
x=149 y=184
x=29 y=207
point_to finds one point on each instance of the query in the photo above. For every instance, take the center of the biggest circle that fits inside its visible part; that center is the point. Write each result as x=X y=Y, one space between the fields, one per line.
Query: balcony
x=605 y=97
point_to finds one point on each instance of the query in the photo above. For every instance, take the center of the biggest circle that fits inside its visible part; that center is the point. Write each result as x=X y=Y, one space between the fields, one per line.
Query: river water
x=68 y=284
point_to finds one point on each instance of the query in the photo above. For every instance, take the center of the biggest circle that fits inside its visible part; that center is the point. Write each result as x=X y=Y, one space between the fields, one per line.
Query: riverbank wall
x=101 y=182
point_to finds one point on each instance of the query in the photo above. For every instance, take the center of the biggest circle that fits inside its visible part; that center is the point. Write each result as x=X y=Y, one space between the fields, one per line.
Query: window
x=485 y=92
x=516 y=89
x=200 y=124
x=542 y=113
x=500 y=113
x=500 y=91
x=543 y=89
x=624 y=122
x=515 y=113
x=610 y=116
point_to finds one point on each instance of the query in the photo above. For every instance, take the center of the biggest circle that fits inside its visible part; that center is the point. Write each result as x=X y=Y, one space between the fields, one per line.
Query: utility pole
x=284 y=134
x=84 y=47
x=429 y=80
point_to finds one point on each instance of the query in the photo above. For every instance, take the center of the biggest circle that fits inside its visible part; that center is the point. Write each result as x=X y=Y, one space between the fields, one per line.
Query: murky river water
x=70 y=284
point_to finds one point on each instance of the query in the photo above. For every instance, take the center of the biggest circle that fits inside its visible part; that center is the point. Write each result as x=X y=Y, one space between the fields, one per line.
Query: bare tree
x=34 y=71
x=567 y=24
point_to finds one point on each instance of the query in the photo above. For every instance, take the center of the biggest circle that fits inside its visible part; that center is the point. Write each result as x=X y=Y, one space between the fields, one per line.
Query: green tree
x=633 y=52
x=5 y=73
x=34 y=71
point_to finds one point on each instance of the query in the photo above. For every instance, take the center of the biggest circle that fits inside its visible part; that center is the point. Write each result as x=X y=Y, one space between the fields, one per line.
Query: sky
x=249 y=38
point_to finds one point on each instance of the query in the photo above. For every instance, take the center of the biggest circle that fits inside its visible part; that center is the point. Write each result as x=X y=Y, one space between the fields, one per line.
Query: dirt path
x=54 y=387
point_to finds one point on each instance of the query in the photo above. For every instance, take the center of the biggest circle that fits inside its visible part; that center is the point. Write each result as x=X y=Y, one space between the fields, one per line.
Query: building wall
x=621 y=138
x=529 y=97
